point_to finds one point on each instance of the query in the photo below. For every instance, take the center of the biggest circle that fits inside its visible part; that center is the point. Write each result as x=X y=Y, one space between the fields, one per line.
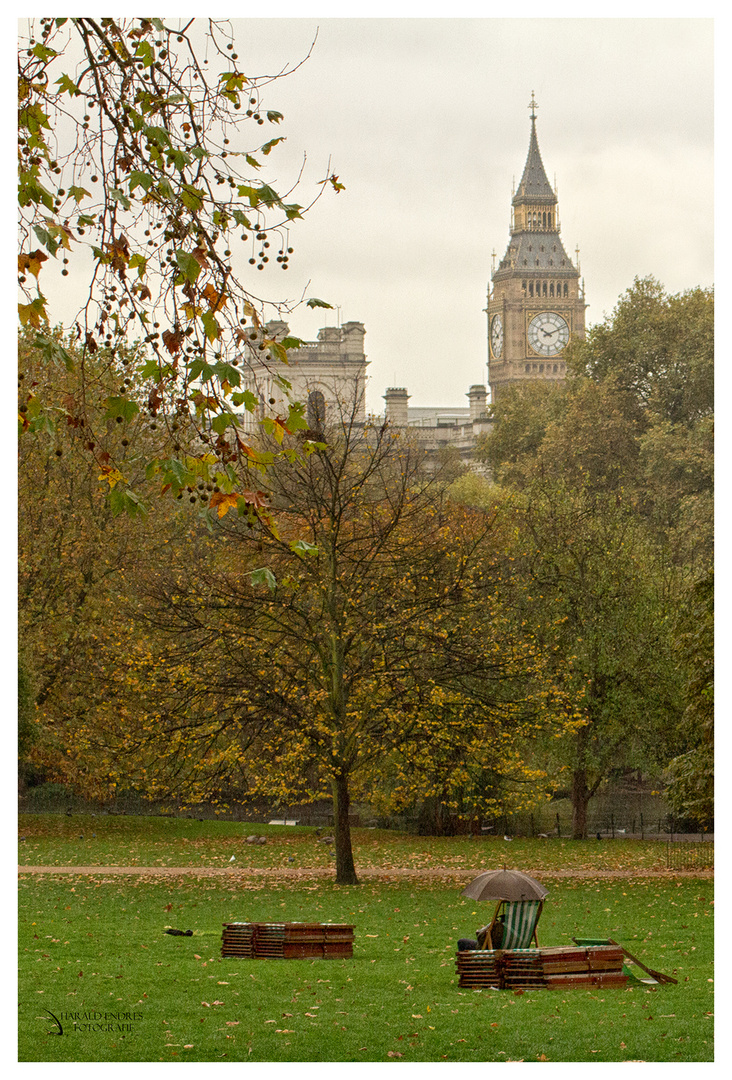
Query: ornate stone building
x=535 y=307
x=537 y=303
x=328 y=376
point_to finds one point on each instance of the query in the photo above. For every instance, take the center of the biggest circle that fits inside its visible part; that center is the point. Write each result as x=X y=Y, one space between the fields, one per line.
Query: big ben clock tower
x=536 y=305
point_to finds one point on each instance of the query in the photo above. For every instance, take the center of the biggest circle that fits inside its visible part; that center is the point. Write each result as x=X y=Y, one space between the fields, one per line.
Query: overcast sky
x=426 y=122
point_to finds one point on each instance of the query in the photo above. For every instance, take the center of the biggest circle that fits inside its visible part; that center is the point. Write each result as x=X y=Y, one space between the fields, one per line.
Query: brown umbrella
x=505 y=885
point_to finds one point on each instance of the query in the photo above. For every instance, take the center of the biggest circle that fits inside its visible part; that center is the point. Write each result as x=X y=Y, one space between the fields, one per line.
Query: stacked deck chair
x=286 y=940
x=600 y=965
x=630 y=962
x=516 y=962
x=542 y=969
x=479 y=968
x=238 y=939
x=513 y=927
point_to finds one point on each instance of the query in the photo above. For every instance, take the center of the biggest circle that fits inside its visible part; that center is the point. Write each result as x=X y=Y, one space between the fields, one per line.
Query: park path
x=328 y=873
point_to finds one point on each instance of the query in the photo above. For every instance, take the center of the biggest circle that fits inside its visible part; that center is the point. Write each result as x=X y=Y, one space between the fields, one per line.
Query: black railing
x=690 y=856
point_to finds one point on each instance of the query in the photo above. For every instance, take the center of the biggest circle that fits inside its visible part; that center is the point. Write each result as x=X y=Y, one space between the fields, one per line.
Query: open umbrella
x=505 y=885
x=523 y=898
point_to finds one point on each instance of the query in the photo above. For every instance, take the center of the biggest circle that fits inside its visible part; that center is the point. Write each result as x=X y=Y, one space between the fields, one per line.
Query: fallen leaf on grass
x=395 y=1053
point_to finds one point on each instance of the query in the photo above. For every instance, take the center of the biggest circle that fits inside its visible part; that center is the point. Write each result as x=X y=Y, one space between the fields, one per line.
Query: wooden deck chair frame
x=490 y=933
x=657 y=975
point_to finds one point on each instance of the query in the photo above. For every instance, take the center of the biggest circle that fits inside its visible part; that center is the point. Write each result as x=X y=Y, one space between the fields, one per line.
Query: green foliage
x=609 y=481
x=691 y=775
x=75 y=541
x=677 y=474
x=590 y=565
x=26 y=708
x=523 y=414
x=657 y=350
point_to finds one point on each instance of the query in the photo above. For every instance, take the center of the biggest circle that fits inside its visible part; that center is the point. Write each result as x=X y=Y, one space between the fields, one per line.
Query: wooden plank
x=649 y=971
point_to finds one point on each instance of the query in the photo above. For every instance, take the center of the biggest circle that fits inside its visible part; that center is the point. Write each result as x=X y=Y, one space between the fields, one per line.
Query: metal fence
x=690 y=856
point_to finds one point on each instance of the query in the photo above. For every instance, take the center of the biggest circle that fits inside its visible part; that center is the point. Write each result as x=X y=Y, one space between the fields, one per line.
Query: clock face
x=497 y=336
x=548 y=333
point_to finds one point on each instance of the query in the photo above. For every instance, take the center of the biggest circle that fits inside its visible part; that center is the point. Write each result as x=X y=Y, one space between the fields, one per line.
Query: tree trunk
x=345 y=867
x=581 y=793
x=580 y=800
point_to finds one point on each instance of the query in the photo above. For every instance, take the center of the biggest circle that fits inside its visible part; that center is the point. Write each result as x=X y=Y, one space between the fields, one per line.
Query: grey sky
x=426 y=123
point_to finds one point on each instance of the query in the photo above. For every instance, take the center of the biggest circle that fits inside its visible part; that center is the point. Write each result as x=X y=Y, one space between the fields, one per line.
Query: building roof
x=534 y=186
x=538 y=251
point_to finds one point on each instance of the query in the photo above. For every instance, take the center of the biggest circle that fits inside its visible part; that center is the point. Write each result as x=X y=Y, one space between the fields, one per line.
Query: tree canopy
x=610 y=480
x=360 y=649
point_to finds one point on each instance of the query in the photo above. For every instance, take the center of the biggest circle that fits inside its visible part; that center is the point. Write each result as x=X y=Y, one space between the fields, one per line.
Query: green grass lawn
x=93 y=952
x=85 y=840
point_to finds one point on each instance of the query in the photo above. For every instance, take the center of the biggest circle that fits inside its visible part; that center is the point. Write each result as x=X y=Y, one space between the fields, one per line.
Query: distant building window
x=528 y=369
x=566 y=291
x=316 y=409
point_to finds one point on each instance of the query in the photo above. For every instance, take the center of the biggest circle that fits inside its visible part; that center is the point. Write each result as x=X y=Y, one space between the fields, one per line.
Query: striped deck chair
x=514 y=924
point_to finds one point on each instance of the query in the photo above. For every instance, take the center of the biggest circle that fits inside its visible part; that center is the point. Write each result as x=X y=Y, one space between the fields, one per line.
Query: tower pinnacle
x=536 y=306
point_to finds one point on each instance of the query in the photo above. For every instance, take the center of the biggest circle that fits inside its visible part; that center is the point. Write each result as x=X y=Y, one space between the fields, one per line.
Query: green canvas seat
x=513 y=925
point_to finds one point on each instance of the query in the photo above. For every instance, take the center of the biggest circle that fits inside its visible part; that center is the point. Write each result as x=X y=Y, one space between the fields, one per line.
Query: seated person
x=488 y=937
